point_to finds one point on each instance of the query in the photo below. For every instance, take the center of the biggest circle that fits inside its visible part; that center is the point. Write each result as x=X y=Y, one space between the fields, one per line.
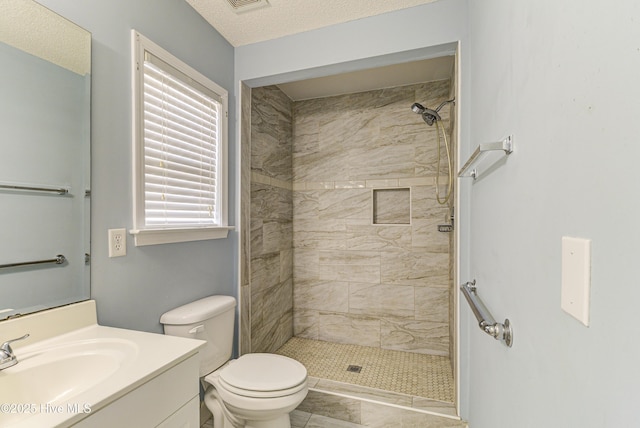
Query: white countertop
x=147 y=355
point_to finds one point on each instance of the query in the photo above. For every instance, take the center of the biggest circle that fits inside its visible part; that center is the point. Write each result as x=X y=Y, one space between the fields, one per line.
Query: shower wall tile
x=349 y=328
x=286 y=264
x=381 y=300
x=305 y=264
x=425 y=205
x=425 y=235
x=416 y=336
x=414 y=267
x=345 y=147
x=344 y=203
x=305 y=323
x=392 y=206
x=362 y=273
x=271 y=226
x=307 y=204
x=321 y=295
x=328 y=234
x=378 y=237
x=432 y=303
x=271 y=133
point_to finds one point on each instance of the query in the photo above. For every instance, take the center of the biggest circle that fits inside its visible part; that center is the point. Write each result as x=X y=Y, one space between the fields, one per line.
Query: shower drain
x=354 y=369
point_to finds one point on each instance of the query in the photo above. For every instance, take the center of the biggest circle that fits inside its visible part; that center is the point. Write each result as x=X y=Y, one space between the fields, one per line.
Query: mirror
x=45 y=82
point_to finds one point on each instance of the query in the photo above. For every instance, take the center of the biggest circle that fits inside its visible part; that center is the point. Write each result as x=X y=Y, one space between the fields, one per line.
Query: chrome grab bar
x=59 y=191
x=60 y=259
x=486 y=322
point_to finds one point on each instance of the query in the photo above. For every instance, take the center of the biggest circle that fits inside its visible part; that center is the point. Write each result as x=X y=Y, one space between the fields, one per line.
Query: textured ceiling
x=284 y=17
x=36 y=30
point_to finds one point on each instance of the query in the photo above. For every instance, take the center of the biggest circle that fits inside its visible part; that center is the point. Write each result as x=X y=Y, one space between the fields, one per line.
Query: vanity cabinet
x=169 y=400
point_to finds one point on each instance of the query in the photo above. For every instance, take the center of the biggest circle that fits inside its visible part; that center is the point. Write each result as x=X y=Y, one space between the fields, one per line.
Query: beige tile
x=378 y=416
x=305 y=323
x=319 y=185
x=333 y=406
x=400 y=373
x=345 y=204
x=391 y=206
x=414 y=267
x=305 y=265
x=299 y=418
x=351 y=184
x=366 y=392
x=322 y=296
x=323 y=235
x=415 y=336
x=377 y=300
x=382 y=183
x=361 y=273
x=432 y=304
x=347 y=328
x=317 y=421
x=435 y=406
x=377 y=237
x=425 y=234
x=352 y=258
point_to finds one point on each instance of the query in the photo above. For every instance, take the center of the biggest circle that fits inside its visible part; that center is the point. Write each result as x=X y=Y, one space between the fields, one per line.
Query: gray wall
x=133 y=291
x=562 y=77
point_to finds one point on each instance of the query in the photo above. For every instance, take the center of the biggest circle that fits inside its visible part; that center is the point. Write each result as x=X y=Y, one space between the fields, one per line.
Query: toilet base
x=213 y=402
x=283 y=421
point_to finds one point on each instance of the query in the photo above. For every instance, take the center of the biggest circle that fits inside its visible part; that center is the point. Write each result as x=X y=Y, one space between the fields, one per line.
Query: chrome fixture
x=7 y=359
x=428 y=115
x=60 y=259
x=470 y=168
x=59 y=191
x=502 y=332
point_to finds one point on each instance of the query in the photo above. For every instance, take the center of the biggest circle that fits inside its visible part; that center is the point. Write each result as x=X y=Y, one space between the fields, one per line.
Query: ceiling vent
x=241 y=6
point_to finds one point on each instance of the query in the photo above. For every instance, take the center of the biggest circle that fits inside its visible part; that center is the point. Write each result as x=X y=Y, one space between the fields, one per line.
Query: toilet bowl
x=254 y=391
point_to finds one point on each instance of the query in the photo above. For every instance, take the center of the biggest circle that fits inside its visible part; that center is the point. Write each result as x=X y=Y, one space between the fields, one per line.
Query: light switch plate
x=576 y=277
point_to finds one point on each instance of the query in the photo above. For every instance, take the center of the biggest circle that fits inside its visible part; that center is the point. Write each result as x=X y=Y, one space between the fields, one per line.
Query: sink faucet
x=7 y=359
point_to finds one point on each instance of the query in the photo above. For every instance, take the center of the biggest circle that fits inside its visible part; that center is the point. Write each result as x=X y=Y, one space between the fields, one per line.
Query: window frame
x=144 y=235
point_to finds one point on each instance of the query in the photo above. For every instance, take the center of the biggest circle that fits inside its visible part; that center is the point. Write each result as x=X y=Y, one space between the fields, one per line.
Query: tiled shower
x=340 y=238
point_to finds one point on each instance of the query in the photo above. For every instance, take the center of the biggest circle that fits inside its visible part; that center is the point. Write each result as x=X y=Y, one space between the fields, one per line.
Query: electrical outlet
x=117 y=243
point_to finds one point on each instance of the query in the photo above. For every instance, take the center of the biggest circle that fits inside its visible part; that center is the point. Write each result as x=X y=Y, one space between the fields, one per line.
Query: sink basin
x=48 y=375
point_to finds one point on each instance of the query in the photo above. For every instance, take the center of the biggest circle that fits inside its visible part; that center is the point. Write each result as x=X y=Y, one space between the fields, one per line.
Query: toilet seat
x=263 y=376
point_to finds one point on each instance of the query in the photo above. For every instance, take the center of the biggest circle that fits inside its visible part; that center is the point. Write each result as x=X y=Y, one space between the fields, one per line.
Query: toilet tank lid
x=199 y=310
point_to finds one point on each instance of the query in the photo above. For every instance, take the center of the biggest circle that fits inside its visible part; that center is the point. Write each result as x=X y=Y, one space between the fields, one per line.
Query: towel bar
x=60 y=259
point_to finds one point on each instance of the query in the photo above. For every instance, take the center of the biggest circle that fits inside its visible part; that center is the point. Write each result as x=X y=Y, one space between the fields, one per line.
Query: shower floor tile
x=417 y=376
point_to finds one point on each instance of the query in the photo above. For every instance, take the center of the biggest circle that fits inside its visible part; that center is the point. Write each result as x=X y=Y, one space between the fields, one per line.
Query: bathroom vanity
x=73 y=372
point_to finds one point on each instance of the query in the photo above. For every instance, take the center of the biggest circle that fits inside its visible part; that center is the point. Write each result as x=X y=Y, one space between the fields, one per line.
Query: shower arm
x=453 y=100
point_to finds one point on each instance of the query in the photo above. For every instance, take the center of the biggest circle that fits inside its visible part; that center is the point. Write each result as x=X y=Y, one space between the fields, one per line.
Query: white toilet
x=254 y=391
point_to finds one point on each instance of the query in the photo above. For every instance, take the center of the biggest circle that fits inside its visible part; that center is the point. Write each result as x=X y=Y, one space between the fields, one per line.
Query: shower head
x=417 y=108
x=428 y=115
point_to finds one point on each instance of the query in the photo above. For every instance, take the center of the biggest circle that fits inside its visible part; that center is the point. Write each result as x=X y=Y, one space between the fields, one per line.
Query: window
x=180 y=150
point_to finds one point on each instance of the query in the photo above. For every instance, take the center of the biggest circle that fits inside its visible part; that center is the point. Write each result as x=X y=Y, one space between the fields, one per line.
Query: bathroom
x=500 y=44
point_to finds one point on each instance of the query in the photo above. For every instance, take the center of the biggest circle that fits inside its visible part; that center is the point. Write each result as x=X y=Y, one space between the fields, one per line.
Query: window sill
x=168 y=236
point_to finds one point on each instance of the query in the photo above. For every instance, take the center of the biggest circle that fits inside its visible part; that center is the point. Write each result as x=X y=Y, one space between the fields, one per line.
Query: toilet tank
x=210 y=319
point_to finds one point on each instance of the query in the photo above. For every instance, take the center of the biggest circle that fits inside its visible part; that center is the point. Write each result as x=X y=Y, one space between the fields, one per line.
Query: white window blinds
x=182 y=132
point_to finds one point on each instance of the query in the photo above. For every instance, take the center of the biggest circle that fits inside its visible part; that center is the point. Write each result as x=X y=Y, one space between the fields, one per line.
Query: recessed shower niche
x=391 y=206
